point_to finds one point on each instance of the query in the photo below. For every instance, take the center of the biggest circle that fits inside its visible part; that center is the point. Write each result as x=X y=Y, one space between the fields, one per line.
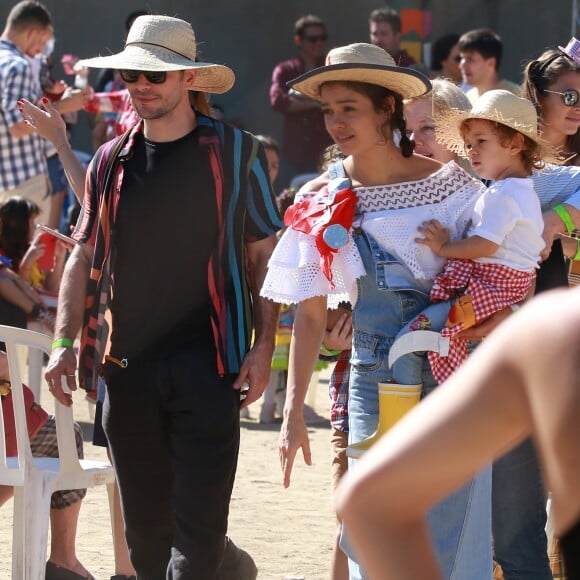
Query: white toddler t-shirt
x=509 y=215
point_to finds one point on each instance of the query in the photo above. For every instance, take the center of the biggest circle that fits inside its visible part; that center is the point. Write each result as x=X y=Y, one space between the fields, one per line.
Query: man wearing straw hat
x=178 y=213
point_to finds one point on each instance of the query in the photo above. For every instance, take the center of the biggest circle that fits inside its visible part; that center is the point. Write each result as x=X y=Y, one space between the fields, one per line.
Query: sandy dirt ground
x=288 y=531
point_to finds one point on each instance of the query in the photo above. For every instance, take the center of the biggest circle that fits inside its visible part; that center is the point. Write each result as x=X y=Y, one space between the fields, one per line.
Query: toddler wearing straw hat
x=494 y=265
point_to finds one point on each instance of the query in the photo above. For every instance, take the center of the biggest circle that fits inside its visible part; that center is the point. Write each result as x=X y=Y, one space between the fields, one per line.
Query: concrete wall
x=252 y=36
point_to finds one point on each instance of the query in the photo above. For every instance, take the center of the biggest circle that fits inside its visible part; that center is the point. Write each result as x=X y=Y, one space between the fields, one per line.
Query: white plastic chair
x=35 y=479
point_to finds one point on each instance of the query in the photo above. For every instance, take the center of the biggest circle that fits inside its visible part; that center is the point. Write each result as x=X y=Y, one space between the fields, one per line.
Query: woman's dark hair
x=381 y=98
x=441 y=49
x=15 y=215
x=269 y=143
x=540 y=74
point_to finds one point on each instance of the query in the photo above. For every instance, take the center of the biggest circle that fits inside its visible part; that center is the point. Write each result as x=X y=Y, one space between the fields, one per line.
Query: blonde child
x=494 y=265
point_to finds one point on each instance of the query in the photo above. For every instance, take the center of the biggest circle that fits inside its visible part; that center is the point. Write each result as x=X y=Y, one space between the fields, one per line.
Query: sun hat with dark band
x=365 y=63
x=498 y=106
x=163 y=43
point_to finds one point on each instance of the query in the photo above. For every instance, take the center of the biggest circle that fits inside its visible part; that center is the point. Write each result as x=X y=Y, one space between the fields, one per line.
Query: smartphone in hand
x=56 y=234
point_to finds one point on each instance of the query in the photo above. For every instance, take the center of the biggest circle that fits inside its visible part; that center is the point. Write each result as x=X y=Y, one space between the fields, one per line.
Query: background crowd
x=42 y=182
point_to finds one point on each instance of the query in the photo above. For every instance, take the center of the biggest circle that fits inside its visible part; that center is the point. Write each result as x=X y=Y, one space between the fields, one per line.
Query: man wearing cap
x=174 y=237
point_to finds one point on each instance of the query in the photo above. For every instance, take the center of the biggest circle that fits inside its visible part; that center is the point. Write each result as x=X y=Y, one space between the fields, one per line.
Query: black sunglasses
x=154 y=77
x=569 y=96
x=317 y=38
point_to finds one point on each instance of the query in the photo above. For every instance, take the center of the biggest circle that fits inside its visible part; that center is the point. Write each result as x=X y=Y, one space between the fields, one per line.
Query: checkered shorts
x=45 y=444
x=492 y=288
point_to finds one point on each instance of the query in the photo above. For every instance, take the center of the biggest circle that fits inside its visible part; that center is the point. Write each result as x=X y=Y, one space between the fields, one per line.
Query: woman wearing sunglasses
x=552 y=83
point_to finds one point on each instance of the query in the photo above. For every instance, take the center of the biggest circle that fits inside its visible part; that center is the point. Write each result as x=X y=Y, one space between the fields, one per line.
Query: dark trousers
x=519 y=515
x=173 y=429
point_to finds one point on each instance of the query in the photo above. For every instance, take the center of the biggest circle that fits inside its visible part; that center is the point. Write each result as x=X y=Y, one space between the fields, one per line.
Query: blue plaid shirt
x=24 y=158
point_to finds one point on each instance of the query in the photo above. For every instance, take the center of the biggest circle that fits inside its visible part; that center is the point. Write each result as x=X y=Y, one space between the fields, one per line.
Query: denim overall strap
x=388 y=298
x=336 y=169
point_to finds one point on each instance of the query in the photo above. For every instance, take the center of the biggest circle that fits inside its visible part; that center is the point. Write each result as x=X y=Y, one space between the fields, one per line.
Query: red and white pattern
x=492 y=288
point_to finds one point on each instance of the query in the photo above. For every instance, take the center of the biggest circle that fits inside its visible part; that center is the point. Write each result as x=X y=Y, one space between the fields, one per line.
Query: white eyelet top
x=391 y=214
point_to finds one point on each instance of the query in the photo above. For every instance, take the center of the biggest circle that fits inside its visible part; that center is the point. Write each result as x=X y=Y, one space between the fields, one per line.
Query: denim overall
x=388 y=298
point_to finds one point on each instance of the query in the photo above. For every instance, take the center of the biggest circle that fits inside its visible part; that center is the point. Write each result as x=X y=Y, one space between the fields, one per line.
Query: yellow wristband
x=576 y=258
x=66 y=342
x=565 y=217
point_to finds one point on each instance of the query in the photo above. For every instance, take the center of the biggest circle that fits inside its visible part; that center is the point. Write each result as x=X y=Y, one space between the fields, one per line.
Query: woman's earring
x=397 y=137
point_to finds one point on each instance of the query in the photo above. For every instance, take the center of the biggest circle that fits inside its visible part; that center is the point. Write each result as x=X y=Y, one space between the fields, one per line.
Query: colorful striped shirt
x=246 y=213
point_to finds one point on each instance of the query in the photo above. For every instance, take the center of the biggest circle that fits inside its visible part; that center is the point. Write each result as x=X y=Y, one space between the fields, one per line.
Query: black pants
x=173 y=429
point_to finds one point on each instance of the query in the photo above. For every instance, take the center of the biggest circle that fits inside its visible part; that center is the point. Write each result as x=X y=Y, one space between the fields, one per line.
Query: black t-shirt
x=165 y=231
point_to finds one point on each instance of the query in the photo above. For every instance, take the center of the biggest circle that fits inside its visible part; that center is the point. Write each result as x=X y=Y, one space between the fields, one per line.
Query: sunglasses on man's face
x=317 y=38
x=569 y=96
x=154 y=77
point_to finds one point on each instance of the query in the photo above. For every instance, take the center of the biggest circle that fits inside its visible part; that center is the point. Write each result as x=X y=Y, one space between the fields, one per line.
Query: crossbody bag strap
x=112 y=161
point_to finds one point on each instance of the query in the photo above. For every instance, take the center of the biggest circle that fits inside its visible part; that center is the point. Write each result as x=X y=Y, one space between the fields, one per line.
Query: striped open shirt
x=246 y=213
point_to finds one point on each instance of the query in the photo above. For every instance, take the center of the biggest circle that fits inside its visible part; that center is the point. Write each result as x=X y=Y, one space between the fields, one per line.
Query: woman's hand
x=569 y=246
x=339 y=337
x=34 y=252
x=435 y=236
x=552 y=227
x=48 y=123
x=35 y=249
x=484 y=329
x=293 y=436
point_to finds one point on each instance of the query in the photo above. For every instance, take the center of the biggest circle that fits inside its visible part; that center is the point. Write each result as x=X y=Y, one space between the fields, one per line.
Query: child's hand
x=339 y=337
x=435 y=236
x=35 y=249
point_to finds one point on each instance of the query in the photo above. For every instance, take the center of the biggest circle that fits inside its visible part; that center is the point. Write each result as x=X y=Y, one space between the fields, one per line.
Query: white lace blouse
x=390 y=214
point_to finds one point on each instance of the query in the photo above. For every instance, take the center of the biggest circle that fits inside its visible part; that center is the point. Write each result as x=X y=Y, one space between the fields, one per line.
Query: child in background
x=275 y=393
x=494 y=265
x=23 y=245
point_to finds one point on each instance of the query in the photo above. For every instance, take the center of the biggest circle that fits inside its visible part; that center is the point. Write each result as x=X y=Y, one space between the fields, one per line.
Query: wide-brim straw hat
x=499 y=106
x=163 y=43
x=365 y=63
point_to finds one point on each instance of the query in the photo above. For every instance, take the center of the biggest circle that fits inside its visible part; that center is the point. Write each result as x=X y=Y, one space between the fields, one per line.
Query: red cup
x=46 y=261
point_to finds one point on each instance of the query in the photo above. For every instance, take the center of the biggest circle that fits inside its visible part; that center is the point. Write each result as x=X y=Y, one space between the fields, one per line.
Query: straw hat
x=498 y=106
x=365 y=63
x=162 y=43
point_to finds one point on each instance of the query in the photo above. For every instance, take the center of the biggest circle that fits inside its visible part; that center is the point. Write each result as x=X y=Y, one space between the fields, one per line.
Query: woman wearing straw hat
x=318 y=260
